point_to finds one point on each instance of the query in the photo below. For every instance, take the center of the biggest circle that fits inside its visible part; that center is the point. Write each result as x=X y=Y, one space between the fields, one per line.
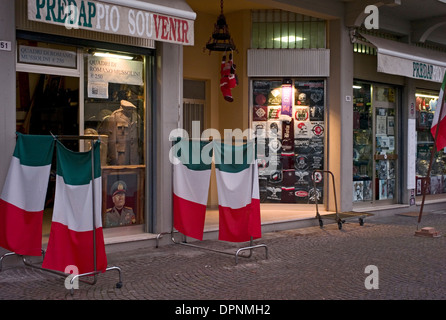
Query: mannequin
x=122 y=131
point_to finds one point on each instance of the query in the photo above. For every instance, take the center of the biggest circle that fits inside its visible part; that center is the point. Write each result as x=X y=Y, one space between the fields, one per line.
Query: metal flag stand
x=95 y=272
x=238 y=252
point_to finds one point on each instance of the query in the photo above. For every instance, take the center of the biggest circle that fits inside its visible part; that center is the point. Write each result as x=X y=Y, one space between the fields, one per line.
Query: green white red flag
x=191 y=177
x=72 y=229
x=238 y=192
x=439 y=120
x=23 y=195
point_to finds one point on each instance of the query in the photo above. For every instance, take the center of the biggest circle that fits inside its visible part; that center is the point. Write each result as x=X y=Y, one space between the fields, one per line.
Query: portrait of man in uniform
x=119 y=214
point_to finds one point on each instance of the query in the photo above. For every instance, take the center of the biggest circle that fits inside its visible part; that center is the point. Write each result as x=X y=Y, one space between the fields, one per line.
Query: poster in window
x=381 y=125
x=382 y=189
x=367 y=190
x=390 y=125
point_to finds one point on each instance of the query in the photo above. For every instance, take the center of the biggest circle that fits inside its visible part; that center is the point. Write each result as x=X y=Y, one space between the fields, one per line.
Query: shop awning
x=407 y=60
x=167 y=21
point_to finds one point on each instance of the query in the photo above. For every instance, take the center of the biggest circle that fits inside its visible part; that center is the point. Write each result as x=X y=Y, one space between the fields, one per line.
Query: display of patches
x=302 y=129
x=358 y=191
x=260 y=113
x=259 y=128
x=287 y=160
x=274 y=145
x=316 y=113
x=273 y=193
x=302 y=146
x=315 y=194
x=273 y=113
x=301 y=162
x=261 y=90
x=301 y=195
x=309 y=92
x=317 y=128
x=303 y=178
x=420 y=185
x=275 y=95
x=288 y=135
x=301 y=113
x=288 y=178
x=316 y=162
x=287 y=195
x=274 y=129
x=316 y=144
x=275 y=177
x=317 y=177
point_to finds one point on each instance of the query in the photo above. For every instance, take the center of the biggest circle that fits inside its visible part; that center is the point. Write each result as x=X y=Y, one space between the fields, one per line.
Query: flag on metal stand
x=238 y=192
x=75 y=231
x=439 y=121
x=191 y=178
x=23 y=196
x=438 y=130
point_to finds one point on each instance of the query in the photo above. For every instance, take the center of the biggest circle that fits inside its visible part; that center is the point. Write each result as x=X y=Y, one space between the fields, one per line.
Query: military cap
x=127 y=104
x=118 y=187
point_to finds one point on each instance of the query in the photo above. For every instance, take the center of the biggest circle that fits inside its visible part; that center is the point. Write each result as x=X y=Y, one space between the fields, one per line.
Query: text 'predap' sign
x=108 y=18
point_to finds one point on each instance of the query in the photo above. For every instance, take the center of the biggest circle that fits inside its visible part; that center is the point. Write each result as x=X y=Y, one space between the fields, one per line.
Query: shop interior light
x=289 y=39
x=357 y=87
x=112 y=55
x=425 y=96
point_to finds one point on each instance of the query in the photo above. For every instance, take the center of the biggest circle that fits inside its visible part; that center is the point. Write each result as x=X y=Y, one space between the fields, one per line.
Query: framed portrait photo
x=122 y=196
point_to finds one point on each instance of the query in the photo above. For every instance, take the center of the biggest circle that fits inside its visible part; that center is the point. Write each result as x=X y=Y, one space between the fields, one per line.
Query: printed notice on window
x=115 y=70
x=98 y=90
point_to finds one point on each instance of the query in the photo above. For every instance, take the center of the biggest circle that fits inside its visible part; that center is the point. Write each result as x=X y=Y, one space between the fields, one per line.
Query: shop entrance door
x=375 y=144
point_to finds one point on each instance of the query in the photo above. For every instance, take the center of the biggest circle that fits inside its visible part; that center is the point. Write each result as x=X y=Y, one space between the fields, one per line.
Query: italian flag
x=191 y=177
x=23 y=195
x=439 y=120
x=72 y=229
x=238 y=192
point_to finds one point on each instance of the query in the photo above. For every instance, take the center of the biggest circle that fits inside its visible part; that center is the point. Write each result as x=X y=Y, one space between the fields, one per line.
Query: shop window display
x=375 y=153
x=288 y=120
x=426 y=103
x=115 y=109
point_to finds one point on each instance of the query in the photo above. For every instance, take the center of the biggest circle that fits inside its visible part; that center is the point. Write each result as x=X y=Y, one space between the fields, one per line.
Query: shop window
x=114 y=108
x=277 y=29
x=426 y=104
x=287 y=117
x=375 y=139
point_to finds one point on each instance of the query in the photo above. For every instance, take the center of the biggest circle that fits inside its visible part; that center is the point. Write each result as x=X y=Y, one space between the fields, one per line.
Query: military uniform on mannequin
x=122 y=130
x=119 y=215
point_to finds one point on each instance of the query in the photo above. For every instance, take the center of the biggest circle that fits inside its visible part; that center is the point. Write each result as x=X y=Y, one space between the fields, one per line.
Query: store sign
x=410 y=68
x=47 y=56
x=108 y=18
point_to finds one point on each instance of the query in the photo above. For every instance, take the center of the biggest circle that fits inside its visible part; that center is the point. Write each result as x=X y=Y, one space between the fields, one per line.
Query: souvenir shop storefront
x=100 y=68
x=395 y=95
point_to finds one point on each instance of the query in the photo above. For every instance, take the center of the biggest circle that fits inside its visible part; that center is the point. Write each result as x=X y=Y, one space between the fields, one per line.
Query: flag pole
x=434 y=147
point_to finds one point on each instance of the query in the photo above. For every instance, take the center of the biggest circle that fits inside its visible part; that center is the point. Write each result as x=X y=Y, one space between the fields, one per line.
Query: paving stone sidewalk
x=303 y=264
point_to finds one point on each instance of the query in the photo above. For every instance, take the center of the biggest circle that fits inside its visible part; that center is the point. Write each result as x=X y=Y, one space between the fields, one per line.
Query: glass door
x=375 y=138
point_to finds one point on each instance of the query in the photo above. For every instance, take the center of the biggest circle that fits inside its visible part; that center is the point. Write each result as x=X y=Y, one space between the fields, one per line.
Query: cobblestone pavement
x=303 y=264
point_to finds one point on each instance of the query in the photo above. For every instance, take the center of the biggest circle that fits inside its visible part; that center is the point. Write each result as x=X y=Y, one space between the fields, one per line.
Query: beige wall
x=200 y=65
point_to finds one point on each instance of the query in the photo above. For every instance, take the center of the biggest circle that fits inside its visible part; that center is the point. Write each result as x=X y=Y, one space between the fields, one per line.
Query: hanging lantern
x=220 y=39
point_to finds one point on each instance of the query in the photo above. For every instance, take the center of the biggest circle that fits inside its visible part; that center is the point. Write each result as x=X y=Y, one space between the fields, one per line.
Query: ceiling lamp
x=220 y=39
